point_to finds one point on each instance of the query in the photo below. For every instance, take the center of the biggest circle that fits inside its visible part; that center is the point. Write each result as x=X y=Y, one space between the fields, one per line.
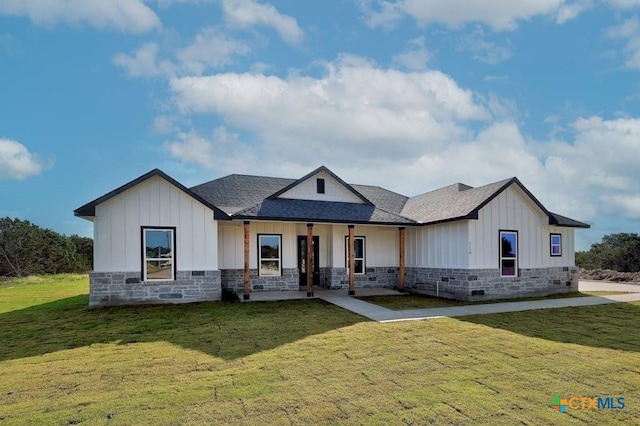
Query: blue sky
x=407 y=94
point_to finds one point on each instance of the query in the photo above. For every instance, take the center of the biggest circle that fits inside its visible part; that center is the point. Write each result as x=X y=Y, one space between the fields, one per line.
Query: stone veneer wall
x=233 y=279
x=126 y=288
x=486 y=284
x=334 y=278
x=379 y=276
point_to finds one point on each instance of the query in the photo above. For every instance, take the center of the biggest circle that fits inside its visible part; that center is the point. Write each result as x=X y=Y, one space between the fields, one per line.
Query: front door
x=302 y=260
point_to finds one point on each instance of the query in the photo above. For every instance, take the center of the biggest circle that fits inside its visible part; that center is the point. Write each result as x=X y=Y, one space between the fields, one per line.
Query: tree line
x=619 y=252
x=27 y=249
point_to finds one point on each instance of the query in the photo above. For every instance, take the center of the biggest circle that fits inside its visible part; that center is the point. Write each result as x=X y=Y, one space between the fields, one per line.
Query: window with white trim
x=158 y=254
x=269 y=255
x=359 y=254
x=509 y=253
x=555 y=242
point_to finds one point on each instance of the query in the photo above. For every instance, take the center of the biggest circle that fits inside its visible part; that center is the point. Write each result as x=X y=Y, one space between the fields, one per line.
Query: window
x=359 y=254
x=320 y=186
x=269 y=255
x=556 y=245
x=508 y=253
x=158 y=256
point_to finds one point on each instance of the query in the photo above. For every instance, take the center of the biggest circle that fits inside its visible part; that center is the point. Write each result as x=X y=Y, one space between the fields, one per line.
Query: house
x=156 y=241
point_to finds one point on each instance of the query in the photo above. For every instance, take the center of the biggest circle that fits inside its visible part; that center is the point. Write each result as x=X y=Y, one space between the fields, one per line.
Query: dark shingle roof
x=320 y=211
x=245 y=196
x=457 y=201
x=383 y=198
x=237 y=192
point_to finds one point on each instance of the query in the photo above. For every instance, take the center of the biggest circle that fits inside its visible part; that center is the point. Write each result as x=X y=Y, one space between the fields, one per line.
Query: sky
x=410 y=95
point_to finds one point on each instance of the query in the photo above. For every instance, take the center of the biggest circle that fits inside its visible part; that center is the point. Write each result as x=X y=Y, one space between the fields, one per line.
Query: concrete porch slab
x=323 y=293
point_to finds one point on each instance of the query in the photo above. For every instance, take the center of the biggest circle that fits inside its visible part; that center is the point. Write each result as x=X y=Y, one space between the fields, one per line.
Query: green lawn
x=418 y=301
x=303 y=362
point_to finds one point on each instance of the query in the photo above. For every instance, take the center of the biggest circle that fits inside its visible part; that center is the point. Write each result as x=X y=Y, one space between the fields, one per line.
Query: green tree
x=619 y=252
x=22 y=248
x=84 y=249
x=27 y=249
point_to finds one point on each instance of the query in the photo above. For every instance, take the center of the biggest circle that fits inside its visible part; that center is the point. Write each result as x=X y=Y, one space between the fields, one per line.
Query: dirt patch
x=609 y=275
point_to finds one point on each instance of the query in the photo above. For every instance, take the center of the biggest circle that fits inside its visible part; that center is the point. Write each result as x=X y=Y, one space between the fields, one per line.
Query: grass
x=304 y=362
x=417 y=301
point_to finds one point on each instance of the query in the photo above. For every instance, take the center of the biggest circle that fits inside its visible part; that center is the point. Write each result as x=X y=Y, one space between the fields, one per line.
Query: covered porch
x=281 y=260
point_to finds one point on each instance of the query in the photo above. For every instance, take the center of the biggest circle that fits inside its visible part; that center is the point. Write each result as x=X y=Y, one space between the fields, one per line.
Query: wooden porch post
x=401 y=272
x=310 y=260
x=352 y=263
x=247 y=286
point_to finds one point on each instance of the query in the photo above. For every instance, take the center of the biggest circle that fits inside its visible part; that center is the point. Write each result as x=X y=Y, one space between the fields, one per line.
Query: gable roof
x=89 y=209
x=459 y=201
x=256 y=197
x=315 y=172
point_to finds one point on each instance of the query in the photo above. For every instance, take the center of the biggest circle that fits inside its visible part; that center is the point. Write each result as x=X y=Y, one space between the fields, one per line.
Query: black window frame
x=364 y=253
x=143 y=253
x=502 y=258
x=551 y=244
x=320 y=186
x=260 y=259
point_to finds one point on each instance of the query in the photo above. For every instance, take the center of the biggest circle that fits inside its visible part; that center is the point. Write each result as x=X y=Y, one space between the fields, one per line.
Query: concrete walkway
x=378 y=313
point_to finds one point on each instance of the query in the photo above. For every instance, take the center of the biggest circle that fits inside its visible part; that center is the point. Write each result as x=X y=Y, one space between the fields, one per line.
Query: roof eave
x=451 y=219
x=314 y=220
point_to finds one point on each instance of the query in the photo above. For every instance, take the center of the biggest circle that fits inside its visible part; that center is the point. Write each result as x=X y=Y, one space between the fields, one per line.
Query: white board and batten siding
x=381 y=243
x=231 y=243
x=438 y=246
x=474 y=244
x=333 y=190
x=154 y=202
x=514 y=210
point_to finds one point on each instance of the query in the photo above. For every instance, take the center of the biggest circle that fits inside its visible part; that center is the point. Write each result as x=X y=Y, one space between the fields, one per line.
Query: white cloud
x=599 y=163
x=626 y=29
x=498 y=14
x=16 y=162
x=378 y=111
x=246 y=13
x=162 y=125
x=623 y=4
x=629 y=204
x=167 y=3
x=142 y=63
x=483 y=50
x=407 y=131
x=569 y=11
x=210 y=49
x=131 y=16
x=415 y=57
x=630 y=31
x=223 y=151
